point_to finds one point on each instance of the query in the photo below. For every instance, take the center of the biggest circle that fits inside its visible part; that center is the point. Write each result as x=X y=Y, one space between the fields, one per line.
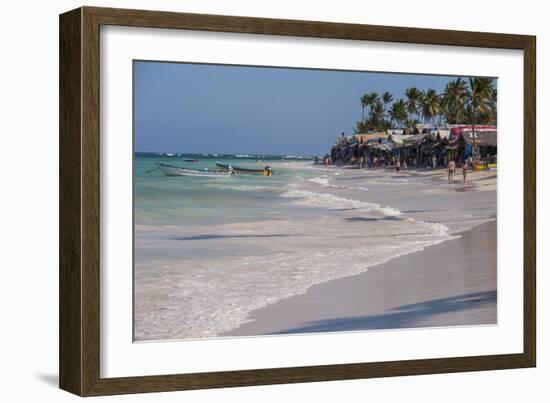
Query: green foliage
x=453 y=102
x=398 y=113
x=482 y=100
x=472 y=101
x=430 y=105
x=387 y=98
x=414 y=97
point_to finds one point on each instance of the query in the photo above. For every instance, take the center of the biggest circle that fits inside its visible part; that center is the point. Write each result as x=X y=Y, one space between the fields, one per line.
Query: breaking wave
x=324 y=181
x=245 y=188
x=326 y=200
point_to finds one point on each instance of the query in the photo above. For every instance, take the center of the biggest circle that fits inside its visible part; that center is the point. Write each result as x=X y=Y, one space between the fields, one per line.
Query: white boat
x=266 y=171
x=172 y=170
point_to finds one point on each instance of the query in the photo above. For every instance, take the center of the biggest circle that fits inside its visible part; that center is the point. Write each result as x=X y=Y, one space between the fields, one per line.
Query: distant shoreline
x=213 y=154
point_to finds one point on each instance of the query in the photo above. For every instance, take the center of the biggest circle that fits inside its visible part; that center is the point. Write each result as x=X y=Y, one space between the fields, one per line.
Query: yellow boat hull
x=479 y=167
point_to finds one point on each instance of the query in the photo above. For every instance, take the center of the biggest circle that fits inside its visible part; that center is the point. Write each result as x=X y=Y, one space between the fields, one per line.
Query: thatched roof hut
x=483 y=138
x=366 y=137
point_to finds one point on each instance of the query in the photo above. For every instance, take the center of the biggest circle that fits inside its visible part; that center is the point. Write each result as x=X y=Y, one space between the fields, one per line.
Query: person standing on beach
x=451 y=169
x=464 y=170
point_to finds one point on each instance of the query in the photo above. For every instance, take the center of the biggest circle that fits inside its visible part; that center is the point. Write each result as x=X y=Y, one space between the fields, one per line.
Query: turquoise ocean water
x=178 y=200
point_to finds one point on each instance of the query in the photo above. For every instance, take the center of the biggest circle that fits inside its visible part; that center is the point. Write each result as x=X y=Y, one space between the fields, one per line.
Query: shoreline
x=448 y=284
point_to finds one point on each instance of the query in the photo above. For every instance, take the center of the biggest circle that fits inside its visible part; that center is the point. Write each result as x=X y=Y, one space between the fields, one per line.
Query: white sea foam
x=324 y=181
x=396 y=182
x=327 y=200
x=434 y=227
x=354 y=188
x=206 y=298
x=245 y=188
x=321 y=180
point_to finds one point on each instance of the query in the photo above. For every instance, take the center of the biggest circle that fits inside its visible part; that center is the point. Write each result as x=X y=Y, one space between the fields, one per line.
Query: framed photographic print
x=249 y=201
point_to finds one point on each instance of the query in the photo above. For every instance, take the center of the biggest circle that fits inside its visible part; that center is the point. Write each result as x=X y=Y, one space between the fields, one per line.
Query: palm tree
x=481 y=97
x=367 y=101
x=398 y=112
x=414 y=96
x=430 y=105
x=454 y=99
x=492 y=116
x=376 y=119
x=374 y=99
x=386 y=99
x=360 y=127
x=364 y=104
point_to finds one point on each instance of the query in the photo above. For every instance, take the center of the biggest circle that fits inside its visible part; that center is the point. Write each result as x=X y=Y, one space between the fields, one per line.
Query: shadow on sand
x=400 y=317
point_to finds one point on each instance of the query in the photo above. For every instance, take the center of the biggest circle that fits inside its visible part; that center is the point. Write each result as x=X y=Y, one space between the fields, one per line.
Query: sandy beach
x=453 y=283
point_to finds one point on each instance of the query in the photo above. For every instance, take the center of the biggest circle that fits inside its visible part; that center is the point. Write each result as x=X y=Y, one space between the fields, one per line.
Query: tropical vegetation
x=463 y=101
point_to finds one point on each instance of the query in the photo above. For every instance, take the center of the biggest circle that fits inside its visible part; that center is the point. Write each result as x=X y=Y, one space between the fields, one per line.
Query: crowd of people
x=402 y=164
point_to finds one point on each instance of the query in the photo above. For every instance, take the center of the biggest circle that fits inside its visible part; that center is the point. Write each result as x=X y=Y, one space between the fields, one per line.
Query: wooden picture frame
x=79 y=346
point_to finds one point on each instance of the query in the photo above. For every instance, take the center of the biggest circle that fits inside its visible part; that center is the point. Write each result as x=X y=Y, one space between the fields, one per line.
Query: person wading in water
x=452 y=168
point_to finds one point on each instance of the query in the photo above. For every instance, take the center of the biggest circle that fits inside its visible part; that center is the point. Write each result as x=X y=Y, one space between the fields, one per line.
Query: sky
x=204 y=108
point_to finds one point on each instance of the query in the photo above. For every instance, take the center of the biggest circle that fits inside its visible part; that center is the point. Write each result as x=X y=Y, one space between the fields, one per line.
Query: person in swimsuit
x=451 y=168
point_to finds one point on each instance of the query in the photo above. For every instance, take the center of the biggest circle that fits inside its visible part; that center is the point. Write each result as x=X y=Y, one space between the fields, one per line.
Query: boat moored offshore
x=266 y=171
x=173 y=170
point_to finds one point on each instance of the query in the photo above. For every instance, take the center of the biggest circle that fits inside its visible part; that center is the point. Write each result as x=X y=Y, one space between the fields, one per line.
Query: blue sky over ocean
x=200 y=108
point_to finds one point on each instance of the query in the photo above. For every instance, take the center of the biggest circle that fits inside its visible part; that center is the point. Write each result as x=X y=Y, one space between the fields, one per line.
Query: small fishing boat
x=190 y=160
x=266 y=171
x=172 y=170
x=478 y=166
